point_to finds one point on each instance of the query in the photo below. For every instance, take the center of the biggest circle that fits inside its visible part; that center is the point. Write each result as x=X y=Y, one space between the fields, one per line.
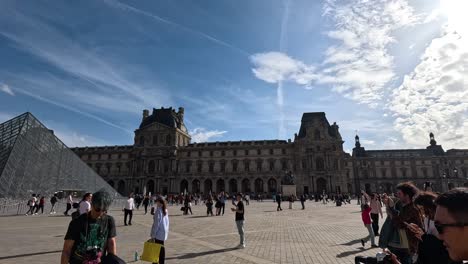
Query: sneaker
x=241 y=246
x=362 y=242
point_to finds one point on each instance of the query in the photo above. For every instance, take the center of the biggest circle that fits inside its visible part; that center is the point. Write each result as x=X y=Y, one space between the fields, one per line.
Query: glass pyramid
x=34 y=160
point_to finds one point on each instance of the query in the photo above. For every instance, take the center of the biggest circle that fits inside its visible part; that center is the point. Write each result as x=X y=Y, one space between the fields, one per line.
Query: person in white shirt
x=128 y=209
x=85 y=204
x=69 y=204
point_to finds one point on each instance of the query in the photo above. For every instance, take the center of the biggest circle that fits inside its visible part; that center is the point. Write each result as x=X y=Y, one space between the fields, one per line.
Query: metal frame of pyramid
x=34 y=160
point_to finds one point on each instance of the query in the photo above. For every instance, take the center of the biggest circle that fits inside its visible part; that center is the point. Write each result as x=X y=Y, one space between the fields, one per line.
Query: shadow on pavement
x=31 y=254
x=199 y=254
x=352 y=252
x=352 y=242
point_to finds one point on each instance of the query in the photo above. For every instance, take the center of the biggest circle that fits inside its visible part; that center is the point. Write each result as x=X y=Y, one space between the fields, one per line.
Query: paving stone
x=319 y=234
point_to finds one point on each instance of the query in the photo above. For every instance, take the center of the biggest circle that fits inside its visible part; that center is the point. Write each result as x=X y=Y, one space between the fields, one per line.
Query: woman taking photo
x=160 y=228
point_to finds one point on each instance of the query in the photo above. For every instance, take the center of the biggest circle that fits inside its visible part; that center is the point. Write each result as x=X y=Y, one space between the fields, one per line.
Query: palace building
x=163 y=160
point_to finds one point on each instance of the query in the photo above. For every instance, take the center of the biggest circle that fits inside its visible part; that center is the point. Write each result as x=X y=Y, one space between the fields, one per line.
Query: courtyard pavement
x=319 y=234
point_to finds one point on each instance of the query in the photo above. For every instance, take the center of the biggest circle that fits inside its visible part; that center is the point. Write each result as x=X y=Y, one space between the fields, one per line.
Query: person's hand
x=416 y=230
x=393 y=257
x=233 y=209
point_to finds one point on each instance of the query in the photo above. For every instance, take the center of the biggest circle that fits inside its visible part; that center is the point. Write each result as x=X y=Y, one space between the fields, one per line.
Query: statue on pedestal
x=288 y=179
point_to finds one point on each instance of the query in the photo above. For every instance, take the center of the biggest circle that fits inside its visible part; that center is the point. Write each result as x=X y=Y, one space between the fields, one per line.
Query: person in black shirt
x=239 y=210
x=279 y=198
x=92 y=235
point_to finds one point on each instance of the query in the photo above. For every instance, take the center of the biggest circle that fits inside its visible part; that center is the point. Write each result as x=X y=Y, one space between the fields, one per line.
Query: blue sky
x=393 y=70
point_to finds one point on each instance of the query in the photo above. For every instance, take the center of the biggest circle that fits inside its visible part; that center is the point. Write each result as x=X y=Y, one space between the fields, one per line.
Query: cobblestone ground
x=319 y=234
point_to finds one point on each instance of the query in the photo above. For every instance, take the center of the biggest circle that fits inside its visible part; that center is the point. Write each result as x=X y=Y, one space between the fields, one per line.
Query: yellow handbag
x=151 y=251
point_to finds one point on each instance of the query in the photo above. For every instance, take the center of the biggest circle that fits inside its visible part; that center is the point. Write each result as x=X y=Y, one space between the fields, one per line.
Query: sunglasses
x=440 y=227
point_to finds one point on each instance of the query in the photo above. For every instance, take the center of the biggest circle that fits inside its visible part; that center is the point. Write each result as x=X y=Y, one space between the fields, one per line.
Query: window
x=246 y=152
x=120 y=156
x=318 y=148
x=119 y=167
x=166 y=167
x=272 y=152
x=211 y=167
x=272 y=165
x=304 y=164
x=223 y=153
x=155 y=140
x=319 y=163
x=168 y=140
x=317 y=134
x=382 y=162
x=403 y=172
x=142 y=141
x=211 y=153
x=333 y=147
x=259 y=152
x=234 y=153
x=199 y=153
x=424 y=172
x=283 y=151
x=246 y=165
x=335 y=164
x=259 y=165
x=383 y=172
x=199 y=167
x=284 y=165
x=223 y=166
x=188 y=153
x=234 y=166
x=151 y=166
x=188 y=166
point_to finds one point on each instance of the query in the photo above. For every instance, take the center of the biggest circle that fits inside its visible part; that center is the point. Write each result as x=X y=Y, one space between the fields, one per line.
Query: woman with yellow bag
x=159 y=232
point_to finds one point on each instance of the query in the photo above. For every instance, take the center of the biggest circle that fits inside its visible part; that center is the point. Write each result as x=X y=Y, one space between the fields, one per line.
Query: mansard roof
x=321 y=118
x=165 y=116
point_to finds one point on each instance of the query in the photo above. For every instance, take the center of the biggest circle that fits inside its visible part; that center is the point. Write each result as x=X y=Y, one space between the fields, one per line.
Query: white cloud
x=6 y=89
x=202 y=135
x=360 y=65
x=434 y=97
x=71 y=138
x=275 y=67
x=368 y=142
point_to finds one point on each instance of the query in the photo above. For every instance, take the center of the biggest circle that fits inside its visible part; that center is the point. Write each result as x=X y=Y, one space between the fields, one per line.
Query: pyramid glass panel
x=34 y=160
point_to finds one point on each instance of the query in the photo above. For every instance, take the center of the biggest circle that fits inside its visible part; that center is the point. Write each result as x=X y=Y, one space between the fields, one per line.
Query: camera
x=93 y=255
x=380 y=258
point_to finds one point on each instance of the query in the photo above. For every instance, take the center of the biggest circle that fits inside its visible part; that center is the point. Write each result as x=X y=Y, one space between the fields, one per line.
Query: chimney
x=181 y=114
x=145 y=114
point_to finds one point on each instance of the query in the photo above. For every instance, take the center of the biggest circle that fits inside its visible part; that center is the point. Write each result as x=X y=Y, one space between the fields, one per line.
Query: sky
x=390 y=70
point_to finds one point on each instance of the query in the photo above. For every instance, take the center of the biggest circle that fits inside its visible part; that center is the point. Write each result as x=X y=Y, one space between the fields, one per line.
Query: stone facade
x=162 y=160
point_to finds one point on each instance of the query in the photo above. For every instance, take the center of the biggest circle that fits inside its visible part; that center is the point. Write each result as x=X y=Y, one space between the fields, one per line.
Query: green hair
x=101 y=199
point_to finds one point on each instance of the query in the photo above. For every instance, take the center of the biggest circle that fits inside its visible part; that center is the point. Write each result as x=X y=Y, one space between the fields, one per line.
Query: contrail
x=163 y=20
x=279 y=89
x=72 y=109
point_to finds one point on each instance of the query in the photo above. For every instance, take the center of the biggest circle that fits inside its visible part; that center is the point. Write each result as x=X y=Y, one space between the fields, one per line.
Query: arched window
x=151 y=166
